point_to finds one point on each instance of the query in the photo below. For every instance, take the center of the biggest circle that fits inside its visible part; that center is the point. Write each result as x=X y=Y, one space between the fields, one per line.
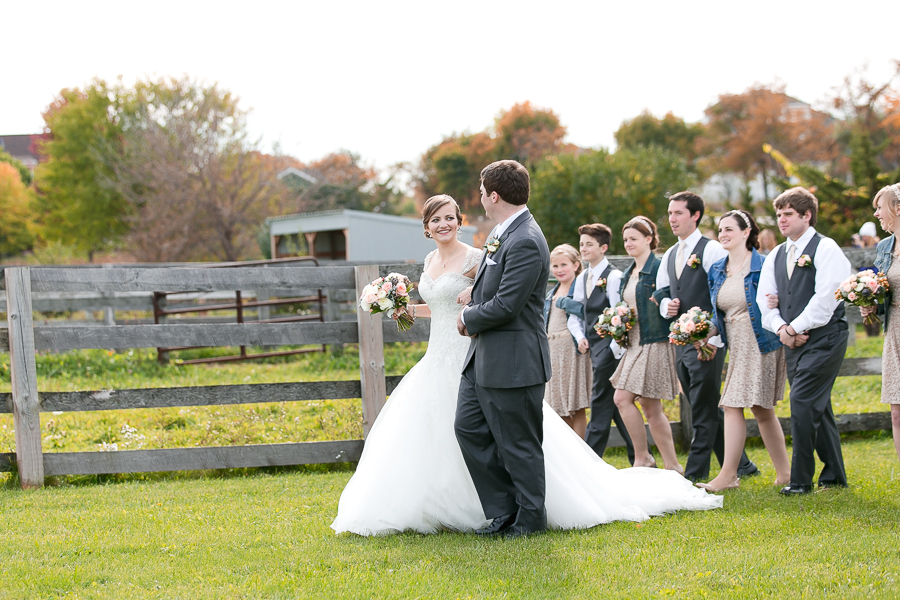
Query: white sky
x=389 y=79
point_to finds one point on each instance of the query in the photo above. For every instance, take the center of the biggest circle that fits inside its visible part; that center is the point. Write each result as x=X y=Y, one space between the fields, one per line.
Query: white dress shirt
x=497 y=232
x=832 y=268
x=575 y=323
x=714 y=253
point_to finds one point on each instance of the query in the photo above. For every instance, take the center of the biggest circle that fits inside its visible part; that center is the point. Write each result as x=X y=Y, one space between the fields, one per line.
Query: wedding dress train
x=412 y=475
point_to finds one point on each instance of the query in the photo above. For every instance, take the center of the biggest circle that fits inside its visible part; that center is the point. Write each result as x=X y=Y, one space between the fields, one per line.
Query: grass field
x=264 y=533
x=267 y=536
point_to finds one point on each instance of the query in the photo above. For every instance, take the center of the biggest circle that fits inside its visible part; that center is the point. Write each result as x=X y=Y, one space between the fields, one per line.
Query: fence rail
x=135 y=285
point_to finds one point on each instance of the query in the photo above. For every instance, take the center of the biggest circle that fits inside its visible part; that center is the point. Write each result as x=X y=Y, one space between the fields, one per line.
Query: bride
x=412 y=476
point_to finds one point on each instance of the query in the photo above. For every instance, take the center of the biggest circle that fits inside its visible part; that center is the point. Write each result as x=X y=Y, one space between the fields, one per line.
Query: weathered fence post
x=371 y=353
x=23 y=372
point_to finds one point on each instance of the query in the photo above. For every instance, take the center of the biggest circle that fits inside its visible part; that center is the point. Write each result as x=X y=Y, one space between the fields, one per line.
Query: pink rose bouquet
x=866 y=288
x=386 y=294
x=615 y=322
x=692 y=326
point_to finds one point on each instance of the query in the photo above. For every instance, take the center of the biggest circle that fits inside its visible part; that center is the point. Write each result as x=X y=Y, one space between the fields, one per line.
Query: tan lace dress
x=753 y=378
x=890 y=358
x=568 y=390
x=647 y=371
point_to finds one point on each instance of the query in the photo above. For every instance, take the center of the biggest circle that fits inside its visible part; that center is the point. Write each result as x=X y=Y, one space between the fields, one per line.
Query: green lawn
x=267 y=536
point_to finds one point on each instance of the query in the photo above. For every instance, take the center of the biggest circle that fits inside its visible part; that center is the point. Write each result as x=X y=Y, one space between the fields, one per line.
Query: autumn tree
x=453 y=166
x=569 y=190
x=16 y=226
x=73 y=204
x=670 y=132
x=740 y=124
x=24 y=173
x=196 y=185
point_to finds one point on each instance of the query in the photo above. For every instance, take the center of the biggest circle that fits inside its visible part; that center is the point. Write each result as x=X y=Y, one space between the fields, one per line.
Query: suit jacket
x=510 y=347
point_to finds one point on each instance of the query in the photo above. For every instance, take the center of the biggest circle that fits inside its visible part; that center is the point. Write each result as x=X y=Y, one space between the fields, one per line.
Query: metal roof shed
x=353 y=235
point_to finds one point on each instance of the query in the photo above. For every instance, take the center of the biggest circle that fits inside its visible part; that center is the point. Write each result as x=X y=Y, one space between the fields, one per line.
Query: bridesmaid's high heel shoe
x=714 y=489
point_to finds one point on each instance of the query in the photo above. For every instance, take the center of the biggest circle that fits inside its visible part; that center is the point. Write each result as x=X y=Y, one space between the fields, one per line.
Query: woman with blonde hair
x=647 y=371
x=567 y=391
x=886 y=253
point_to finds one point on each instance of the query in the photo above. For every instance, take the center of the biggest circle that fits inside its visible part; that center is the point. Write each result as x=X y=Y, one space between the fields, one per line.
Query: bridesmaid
x=756 y=364
x=885 y=203
x=568 y=389
x=647 y=371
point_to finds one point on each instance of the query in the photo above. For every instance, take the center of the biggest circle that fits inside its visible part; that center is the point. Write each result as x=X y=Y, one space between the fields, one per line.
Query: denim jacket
x=766 y=340
x=654 y=328
x=883 y=258
x=567 y=304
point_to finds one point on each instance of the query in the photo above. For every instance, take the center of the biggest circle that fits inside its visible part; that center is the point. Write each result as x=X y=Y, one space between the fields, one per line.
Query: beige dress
x=890 y=356
x=753 y=378
x=647 y=371
x=568 y=390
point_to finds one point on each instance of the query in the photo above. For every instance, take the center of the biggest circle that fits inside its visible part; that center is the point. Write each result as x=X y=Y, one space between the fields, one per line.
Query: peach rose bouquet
x=615 y=322
x=692 y=326
x=866 y=288
x=389 y=294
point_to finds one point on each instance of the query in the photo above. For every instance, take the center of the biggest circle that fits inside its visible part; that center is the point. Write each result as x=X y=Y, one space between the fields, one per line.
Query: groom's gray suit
x=499 y=422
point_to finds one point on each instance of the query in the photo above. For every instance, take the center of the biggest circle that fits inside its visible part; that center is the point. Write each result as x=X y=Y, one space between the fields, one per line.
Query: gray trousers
x=701 y=383
x=811 y=370
x=500 y=432
x=603 y=405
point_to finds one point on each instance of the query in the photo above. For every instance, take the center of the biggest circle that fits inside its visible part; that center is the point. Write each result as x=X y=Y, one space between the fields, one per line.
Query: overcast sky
x=389 y=79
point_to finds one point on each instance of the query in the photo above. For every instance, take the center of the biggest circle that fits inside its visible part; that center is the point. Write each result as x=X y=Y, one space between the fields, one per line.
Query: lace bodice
x=440 y=295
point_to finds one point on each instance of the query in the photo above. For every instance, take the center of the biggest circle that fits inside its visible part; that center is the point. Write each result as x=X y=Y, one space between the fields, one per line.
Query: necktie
x=791 y=260
x=679 y=260
x=588 y=283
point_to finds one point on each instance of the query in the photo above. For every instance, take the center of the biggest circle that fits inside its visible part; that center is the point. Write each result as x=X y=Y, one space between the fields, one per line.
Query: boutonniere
x=601 y=283
x=492 y=245
x=693 y=262
x=804 y=261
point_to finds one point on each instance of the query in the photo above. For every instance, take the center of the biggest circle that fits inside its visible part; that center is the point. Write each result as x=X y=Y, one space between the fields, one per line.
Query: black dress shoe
x=497 y=526
x=517 y=532
x=753 y=471
x=795 y=489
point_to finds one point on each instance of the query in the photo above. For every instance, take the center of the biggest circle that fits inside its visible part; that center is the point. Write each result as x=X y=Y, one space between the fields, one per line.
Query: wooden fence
x=23 y=338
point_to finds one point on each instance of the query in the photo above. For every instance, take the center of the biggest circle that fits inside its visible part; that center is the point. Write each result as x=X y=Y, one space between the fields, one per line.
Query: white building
x=353 y=235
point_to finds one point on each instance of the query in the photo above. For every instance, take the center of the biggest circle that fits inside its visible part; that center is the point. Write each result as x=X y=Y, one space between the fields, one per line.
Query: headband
x=645 y=220
x=743 y=216
x=896 y=189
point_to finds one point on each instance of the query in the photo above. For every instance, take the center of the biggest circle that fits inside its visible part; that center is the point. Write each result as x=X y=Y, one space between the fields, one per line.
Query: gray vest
x=593 y=307
x=693 y=286
x=795 y=293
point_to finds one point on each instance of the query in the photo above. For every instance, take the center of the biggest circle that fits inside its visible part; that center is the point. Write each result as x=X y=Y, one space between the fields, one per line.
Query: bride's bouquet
x=866 y=288
x=386 y=294
x=692 y=326
x=615 y=322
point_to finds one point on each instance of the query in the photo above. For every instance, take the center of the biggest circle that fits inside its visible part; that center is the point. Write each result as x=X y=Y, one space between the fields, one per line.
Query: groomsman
x=597 y=288
x=682 y=284
x=803 y=274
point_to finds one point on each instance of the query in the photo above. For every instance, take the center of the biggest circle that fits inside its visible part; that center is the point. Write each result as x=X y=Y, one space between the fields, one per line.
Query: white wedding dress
x=412 y=476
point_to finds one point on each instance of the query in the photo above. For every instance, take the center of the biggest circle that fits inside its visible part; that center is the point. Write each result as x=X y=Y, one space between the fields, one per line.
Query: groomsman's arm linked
x=663 y=294
x=832 y=268
x=574 y=323
x=517 y=283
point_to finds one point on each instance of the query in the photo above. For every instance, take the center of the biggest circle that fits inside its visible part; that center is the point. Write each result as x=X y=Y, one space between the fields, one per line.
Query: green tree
x=569 y=190
x=669 y=132
x=74 y=205
x=24 y=173
x=15 y=205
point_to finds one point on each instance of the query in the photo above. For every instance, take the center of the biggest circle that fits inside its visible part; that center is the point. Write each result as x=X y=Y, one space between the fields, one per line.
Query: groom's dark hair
x=509 y=179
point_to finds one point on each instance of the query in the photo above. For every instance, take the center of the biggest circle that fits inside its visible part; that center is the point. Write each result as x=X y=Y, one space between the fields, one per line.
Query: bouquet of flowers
x=865 y=288
x=389 y=293
x=692 y=326
x=615 y=322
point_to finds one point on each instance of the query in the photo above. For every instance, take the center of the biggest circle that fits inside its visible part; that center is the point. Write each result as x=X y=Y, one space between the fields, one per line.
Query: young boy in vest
x=597 y=288
x=800 y=277
x=681 y=284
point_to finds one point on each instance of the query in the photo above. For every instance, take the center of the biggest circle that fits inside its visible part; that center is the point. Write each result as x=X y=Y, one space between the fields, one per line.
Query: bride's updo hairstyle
x=434 y=204
x=571 y=253
x=647 y=229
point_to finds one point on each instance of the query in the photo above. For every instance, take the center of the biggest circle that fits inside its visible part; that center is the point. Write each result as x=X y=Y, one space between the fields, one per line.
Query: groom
x=499 y=422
